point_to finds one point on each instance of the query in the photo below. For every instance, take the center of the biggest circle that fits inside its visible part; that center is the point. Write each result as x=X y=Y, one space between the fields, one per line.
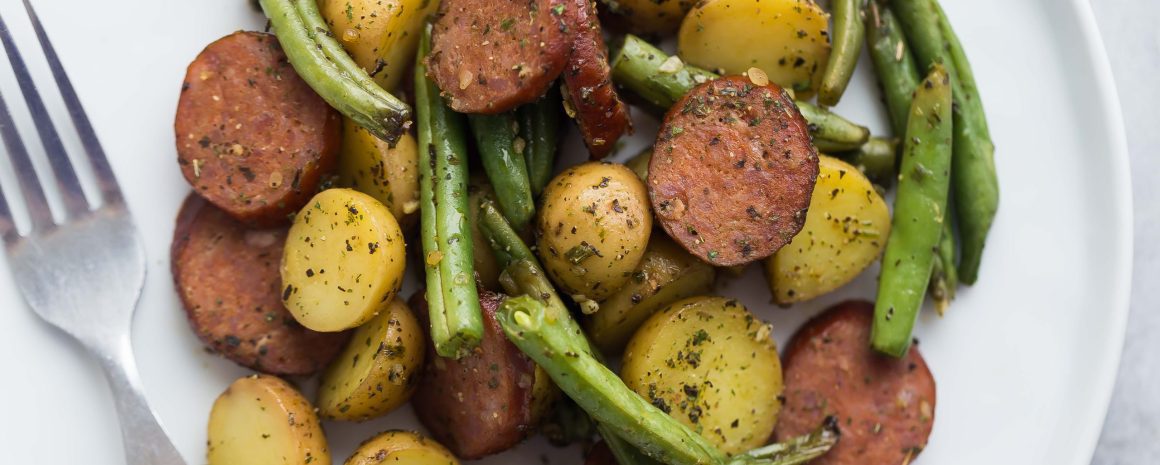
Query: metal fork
x=84 y=273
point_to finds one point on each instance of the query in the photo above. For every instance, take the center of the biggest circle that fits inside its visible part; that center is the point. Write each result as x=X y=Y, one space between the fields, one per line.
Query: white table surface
x=1132 y=431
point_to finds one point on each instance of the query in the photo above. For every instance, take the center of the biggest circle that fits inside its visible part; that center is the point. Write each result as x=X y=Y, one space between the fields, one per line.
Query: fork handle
x=144 y=439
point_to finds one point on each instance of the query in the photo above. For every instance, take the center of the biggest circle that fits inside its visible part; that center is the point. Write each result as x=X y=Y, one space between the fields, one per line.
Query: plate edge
x=1120 y=300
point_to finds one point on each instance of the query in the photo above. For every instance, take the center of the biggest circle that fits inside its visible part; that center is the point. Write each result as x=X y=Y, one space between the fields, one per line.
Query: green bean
x=876 y=159
x=847 y=47
x=564 y=355
x=893 y=63
x=320 y=60
x=944 y=278
x=640 y=67
x=566 y=423
x=919 y=213
x=622 y=451
x=801 y=449
x=539 y=128
x=504 y=240
x=521 y=274
x=505 y=167
x=896 y=71
x=456 y=319
x=832 y=133
x=976 y=183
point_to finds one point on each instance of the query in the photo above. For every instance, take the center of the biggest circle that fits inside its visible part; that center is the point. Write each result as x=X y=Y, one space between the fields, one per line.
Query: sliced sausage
x=480 y=404
x=732 y=171
x=229 y=281
x=884 y=406
x=490 y=56
x=600 y=113
x=252 y=137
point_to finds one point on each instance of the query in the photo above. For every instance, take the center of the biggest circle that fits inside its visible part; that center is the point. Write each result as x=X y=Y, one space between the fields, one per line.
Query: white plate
x=1025 y=360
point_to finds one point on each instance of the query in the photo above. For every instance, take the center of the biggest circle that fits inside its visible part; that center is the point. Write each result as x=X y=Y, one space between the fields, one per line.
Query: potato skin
x=666 y=274
x=711 y=365
x=381 y=35
x=344 y=256
x=263 y=420
x=401 y=447
x=593 y=228
x=845 y=231
x=378 y=370
x=788 y=39
x=652 y=16
x=391 y=175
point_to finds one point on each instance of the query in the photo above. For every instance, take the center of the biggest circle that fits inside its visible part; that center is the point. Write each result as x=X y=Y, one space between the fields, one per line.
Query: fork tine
x=38 y=211
x=72 y=194
x=7 y=225
x=106 y=181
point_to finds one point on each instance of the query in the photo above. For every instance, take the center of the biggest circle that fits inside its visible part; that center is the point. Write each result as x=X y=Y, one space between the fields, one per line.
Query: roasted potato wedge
x=262 y=420
x=379 y=368
x=845 y=231
x=711 y=365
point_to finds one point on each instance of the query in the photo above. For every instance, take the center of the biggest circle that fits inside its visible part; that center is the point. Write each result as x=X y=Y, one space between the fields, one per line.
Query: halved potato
x=666 y=274
x=401 y=447
x=788 y=39
x=381 y=35
x=712 y=365
x=378 y=370
x=389 y=174
x=262 y=420
x=845 y=231
x=344 y=256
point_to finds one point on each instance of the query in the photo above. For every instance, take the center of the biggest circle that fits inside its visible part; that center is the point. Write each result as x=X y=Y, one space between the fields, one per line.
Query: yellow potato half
x=344 y=257
x=262 y=420
x=788 y=39
x=712 y=365
x=379 y=368
x=845 y=231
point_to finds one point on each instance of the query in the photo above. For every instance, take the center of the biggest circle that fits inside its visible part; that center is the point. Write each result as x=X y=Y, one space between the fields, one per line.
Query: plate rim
x=1111 y=113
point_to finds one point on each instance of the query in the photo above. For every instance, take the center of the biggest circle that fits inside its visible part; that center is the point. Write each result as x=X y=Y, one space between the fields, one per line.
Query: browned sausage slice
x=884 y=406
x=601 y=114
x=732 y=171
x=480 y=404
x=229 y=280
x=252 y=137
x=490 y=56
